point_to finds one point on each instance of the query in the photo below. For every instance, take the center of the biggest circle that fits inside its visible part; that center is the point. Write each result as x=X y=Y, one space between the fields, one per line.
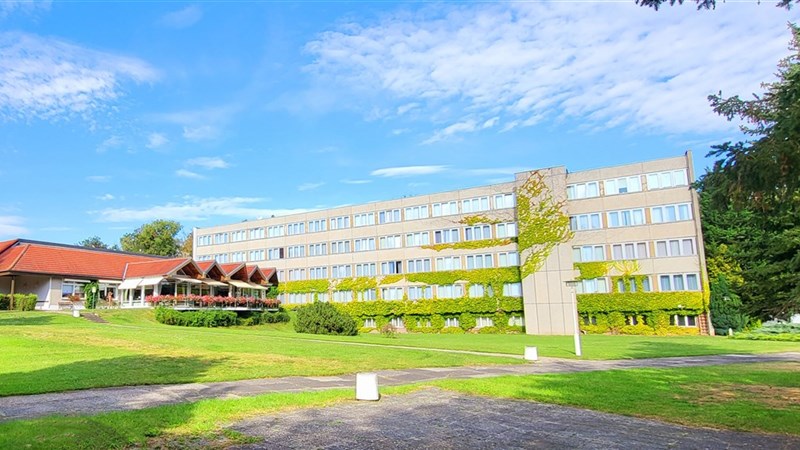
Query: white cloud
x=356 y=181
x=106 y=197
x=46 y=78
x=110 y=143
x=309 y=186
x=99 y=178
x=8 y=7
x=194 y=209
x=156 y=140
x=188 y=174
x=603 y=64
x=12 y=226
x=201 y=133
x=182 y=18
x=399 y=131
x=402 y=109
x=208 y=162
x=407 y=171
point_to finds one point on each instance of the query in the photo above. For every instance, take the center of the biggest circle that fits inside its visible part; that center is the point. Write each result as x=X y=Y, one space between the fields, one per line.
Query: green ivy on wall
x=470 y=245
x=639 y=302
x=303 y=286
x=449 y=306
x=358 y=284
x=478 y=219
x=541 y=221
x=591 y=270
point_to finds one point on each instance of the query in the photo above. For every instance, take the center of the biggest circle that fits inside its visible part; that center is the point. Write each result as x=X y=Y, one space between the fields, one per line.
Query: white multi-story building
x=642 y=219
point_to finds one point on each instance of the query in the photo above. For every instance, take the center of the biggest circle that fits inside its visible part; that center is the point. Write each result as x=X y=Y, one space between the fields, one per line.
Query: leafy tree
x=158 y=237
x=187 y=245
x=95 y=242
x=702 y=4
x=726 y=307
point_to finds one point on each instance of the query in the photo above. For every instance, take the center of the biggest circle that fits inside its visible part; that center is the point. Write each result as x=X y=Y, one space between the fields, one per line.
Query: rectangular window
x=221 y=238
x=296 y=274
x=369 y=323
x=445 y=236
x=419 y=265
x=583 y=190
x=416 y=212
x=391 y=267
x=296 y=251
x=683 y=321
x=315 y=226
x=318 y=273
x=502 y=201
x=663 y=180
x=597 y=285
x=420 y=292
x=389 y=216
x=623 y=185
x=275 y=231
x=479 y=261
x=366 y=270
x=275 y=253
x=671 y=213
x=391 y=241
x=340 y=247
x=341 y=271
x=256 y=233
x=238 y=236
x=296 y=298
x=204 y=240
x=675 y=247
x=626 y=218
x=506 y=230
x=477 y=233
x=588 y=253
x=364 y=219
x=481 y=322
x=317 y=249
x=472 y=205
x=507 y=259
x=367 y=295
x=512 y=289
x=585 y=222
x=475 y=291
x=364 y=245
x=295 y=228
x=256 y=255
x=448 y=263
x=630 y=250
x=418 y=239
x=342 y=296
x=445 y=209
x=339 y=223
x=451 y=322
x=392 y=293
x=450 y=291
x=679 y=282
x=222 y=258
x=237 y=256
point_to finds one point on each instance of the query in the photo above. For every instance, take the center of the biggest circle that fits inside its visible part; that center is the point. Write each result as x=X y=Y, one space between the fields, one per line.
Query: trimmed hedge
x=22 y=302
x=324 y=318
x=203 y=318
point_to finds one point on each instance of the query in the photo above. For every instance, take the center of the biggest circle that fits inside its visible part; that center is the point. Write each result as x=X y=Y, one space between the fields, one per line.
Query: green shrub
x=202 y=318
x=22 y=302
x=467 y=321
x=366 y=329
x=275 y=317
x=658 y=321
x=452 y=330
x=616 y=320
x=324 y=318
x=488 y=330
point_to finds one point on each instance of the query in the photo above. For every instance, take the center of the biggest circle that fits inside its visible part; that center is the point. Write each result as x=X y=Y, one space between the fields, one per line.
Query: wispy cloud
x=182 y=18
x=156 y=140
x=109 y=144
x=12 y=226
x=208 y=162
x=99 y=178
x=194 y=209
x=201 y=133
x=188 y=174
x=45 y=78
x=105 y=197
x=407 y=171
x=8 y=7
x=605 y=64
x=356 y=181
x=309 y=186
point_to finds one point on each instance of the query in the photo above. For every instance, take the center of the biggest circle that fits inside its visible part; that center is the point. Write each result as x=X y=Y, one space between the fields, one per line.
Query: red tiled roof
x=161 y=267
x=41 y=257
x=231 y=268
x=205 y=265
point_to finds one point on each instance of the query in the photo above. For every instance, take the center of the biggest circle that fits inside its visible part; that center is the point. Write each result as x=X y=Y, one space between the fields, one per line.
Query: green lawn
x=757 y=398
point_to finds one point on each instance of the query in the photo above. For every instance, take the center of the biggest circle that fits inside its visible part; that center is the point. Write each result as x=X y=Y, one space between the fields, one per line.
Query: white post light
x=367 y=386
x=576 y=319
x=531 y=354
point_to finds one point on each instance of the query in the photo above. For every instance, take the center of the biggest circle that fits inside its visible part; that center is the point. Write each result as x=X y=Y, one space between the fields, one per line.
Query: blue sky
x=115 y=114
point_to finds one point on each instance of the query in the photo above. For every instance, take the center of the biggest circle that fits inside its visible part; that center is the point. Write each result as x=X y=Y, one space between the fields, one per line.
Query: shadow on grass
x=11 y=319
x=663 y=348
x=120 y=371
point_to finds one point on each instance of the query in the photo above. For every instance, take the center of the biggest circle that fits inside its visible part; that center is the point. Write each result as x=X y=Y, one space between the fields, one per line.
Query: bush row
x=22 y=302
x=773 y=332
x=655 y=323
x=216 y=318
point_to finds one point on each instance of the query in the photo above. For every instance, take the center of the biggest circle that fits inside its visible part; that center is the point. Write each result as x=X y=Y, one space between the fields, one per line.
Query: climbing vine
x=303 y=286
x=358 y=284
x=591 y=270
x=470 y=245
x=542 y=222
x=478 y=219
x=639 y=302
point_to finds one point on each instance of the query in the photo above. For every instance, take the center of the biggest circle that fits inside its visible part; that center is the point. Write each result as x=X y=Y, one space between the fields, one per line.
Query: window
x=389 y=216
x=448 y=263
x=583 y=190
x=451 y=322
x=367 y=295
x=392 y=293
x=256 y=255
x=445 y=209
x=630 y=250
x=317 y=273
x=256 y=233
x=679 y=282
x=516 y=321
x=418 y=239
x=317 y=249
x=275 y=253
x=623 y=185
x=505 y=230
x=295 y=228
x=343 y=296
x=662 y=180
x=315 y=226
x=475 y=291
x=597 y=285
x=445 y=236
x=683 y=321
x=237 y=257
x=238 y=236
x=391 y=267
x=364 y=219
x=391 y=241
x=340 y=247
x=71 y=287
x=419 y=265
x=420 y=292
x=221 y=258
x=366 y=270
x=296 y=298
x=503 y=201
x=512 y=289
x=204 y=240
x=481 y=322
x=477 y=233
x=338 y=223
x=479 y=261
x=629 y=284
x=397 y=322
x=320 y=296
x=363 y=245
x=369 y=323
x=675 y=247
x=588 y=253
x=416 y=212
x=342 y=271
x=585 y=222
x=450 y=291
x=671 y=213
x=472 y=205
x=275 y=231
x=221 y=238
x=296 y=251
x=507 y=259
x=296 y=274
x=625 y=218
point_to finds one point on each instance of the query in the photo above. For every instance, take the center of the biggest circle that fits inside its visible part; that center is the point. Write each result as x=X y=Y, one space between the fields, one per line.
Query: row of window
x=467 y=206
x=631 y=217
x=666 y=283
x=410 y=292
x=634 y=250
x=623 y=185
x=480 y=322
x=483 y=261
x=677 y=320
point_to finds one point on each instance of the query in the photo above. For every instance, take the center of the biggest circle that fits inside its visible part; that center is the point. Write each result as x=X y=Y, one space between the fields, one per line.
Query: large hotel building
x=645 y=212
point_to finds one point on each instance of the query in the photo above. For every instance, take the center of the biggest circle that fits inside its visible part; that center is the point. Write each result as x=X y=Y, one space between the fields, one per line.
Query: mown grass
x=746 y=397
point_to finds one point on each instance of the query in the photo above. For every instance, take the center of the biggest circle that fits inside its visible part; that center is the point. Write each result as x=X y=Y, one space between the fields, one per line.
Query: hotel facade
x=633 y=227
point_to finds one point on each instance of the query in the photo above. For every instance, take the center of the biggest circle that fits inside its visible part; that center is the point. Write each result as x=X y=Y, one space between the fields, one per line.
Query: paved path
x=93 y=401
x=437 y=419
